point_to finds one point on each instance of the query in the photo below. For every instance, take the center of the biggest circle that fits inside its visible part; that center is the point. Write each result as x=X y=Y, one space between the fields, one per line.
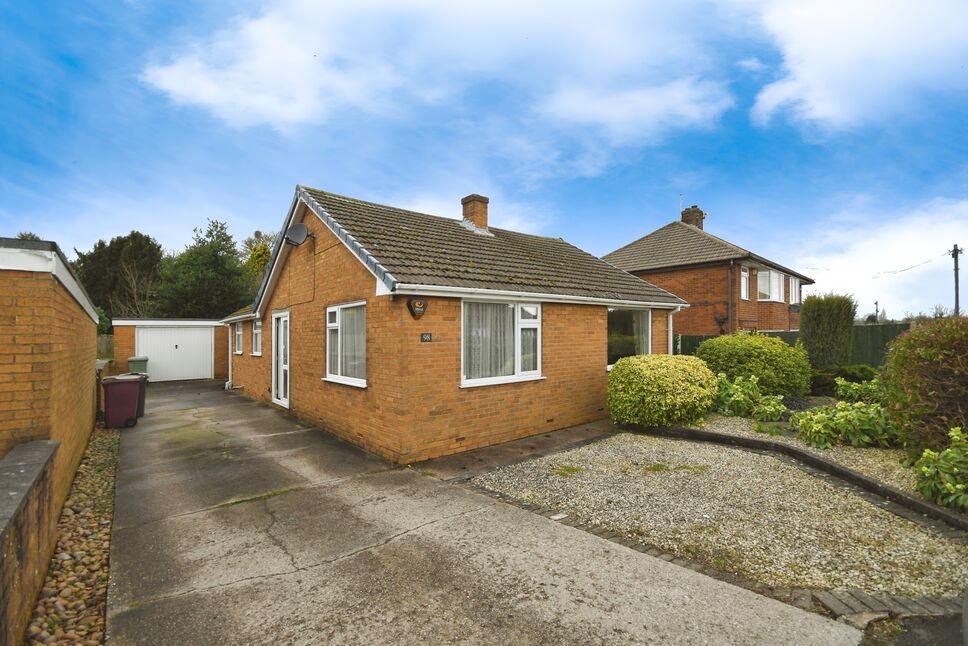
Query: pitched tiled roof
x=242 y=311
x=677 y=244
x=420 y=249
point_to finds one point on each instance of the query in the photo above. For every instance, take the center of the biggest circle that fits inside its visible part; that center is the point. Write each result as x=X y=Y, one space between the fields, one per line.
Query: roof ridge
x=637 y=240
x=712 y=237
x=412 y=212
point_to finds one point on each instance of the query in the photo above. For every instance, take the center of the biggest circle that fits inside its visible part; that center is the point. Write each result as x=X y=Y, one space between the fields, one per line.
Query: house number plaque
x=426 y=337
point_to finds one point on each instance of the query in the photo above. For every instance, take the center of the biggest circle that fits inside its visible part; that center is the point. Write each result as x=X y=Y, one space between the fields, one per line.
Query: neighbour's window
x=257 y=337
x=794 y=289
x=501 y=342
x=238 y=338
x=346 y=344
x=744 y=283
x=769 y=286
x=629 y=332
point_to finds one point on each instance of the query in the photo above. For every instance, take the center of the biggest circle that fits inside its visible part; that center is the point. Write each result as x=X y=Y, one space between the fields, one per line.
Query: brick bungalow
x=728 y=288
x=415 y=336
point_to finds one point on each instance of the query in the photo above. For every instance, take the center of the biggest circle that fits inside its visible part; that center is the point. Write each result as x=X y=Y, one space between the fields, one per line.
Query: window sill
x=255 y=354
x=237 y=353
x=770 y=300
x=496 y=381
x=345 y=381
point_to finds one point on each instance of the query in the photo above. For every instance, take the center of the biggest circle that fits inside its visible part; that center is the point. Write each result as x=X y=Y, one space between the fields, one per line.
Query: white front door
x=176 y=353
x=280 y=358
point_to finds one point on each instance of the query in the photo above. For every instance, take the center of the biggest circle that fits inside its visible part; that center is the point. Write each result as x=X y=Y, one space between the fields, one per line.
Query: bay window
x=629 y=332
x=501 y=342
x=794 y=289
x=257 y=338
x=769 y=286
x=346 y=344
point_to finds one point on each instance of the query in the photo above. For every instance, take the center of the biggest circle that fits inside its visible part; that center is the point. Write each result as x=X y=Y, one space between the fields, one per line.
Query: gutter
x=456 y=292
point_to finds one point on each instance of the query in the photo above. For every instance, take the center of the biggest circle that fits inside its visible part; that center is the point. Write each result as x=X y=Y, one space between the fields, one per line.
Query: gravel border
x=719 y=506
x=880 y=464
x=73 y=601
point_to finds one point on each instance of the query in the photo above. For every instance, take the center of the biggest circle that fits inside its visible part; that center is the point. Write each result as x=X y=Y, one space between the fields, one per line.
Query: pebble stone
x=71 y=606
x=738 y=511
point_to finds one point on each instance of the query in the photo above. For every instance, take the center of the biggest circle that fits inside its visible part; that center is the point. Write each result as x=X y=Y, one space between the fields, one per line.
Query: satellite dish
x=297 y=233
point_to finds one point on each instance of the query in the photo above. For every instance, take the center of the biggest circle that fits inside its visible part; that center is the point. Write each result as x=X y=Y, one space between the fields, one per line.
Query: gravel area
x=73 y=601
x=739 y=511
x=881 y=464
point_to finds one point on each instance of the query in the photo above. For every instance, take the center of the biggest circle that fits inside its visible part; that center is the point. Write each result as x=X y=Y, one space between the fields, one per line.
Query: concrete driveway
x=237 y=524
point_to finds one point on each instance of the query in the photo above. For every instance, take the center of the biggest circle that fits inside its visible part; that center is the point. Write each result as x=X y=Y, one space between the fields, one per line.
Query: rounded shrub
x=659 y=389
x=780 y=369
x=925 y=382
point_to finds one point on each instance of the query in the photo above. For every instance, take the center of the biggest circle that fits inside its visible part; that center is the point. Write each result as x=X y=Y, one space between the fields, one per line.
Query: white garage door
x=176 y=353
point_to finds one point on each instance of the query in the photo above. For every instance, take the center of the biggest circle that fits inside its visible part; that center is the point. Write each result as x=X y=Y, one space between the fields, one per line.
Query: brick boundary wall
x=29 y=532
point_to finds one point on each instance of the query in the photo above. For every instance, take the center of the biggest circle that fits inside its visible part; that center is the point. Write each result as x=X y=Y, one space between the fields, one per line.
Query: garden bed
x=72 y=604
x=881 y=464
x=739 y=511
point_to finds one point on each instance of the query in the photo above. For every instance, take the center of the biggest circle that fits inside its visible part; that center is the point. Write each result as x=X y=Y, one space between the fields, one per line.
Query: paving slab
x=279 y=533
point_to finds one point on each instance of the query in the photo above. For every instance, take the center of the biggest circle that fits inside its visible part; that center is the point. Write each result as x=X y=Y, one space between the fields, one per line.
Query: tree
x=27 y=235
x=121 y=275
x=256 y=253
x=207 y=280
x=827 y=329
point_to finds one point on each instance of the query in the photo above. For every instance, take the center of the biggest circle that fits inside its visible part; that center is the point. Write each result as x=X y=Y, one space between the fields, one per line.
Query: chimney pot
x=694 y=216
x=475 y=210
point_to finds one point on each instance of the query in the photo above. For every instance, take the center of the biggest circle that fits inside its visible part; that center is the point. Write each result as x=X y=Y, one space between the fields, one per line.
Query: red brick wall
x=706 y=289
x=660 y=330
x=413 y=407
x=222 y=352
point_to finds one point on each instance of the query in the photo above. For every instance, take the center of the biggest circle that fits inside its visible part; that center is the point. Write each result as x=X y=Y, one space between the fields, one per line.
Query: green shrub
x=780 y=368
x=926 y=383
x=741 y=397
x=943 y=477
x=865 y=391
x=658 y=390
x=823 y=382
x=827 y=329
x=858 y=424
x=736 y=398
x=770 y=408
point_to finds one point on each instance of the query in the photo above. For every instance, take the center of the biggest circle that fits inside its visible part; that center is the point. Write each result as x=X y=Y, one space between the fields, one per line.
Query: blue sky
x=829 y=136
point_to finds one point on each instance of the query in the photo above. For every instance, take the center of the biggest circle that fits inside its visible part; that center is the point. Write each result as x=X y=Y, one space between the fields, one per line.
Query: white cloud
x=847 y=62
x=861 y=253
x=753 y=65
x=299 y=61
x=642 y=113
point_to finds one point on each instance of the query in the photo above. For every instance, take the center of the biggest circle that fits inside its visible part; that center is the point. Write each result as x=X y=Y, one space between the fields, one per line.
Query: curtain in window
x=628 y=333
x=488 y=340
x=640 y=327
x=353 y=348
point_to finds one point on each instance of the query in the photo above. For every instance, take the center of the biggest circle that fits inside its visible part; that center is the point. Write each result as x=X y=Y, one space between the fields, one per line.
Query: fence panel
x=105 y=346
x=870 y=341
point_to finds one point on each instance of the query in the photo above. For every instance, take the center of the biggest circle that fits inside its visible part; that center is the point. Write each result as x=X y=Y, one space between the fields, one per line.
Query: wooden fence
x=870 y=341
x=105 y=346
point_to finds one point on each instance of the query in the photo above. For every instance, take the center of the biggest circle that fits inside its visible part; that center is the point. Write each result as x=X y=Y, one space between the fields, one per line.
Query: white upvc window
x=629 y=333
x=256 y=338
x=744 y=282
x=238 y=338
x=500 y=342
x=769 y=285
x=794 y=289
x=346 y=344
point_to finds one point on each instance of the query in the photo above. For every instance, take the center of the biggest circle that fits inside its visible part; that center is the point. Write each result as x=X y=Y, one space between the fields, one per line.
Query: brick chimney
x=475 y=210
x=693 y=215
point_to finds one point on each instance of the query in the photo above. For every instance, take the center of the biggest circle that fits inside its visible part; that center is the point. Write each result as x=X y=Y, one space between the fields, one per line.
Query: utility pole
x=955 y=252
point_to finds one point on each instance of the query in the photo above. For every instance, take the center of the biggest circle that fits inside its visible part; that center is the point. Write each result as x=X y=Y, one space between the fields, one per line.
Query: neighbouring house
x=728 y=288
x=48 y=350
x=176 y=349
x=415 y=336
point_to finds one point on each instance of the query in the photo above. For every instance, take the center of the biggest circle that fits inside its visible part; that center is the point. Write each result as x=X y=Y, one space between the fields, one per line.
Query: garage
x=177 y=349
